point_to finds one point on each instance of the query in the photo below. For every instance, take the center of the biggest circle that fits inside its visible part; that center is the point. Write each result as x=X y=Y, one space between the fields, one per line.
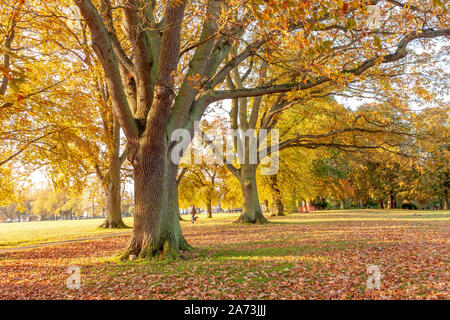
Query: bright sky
x=38 y=178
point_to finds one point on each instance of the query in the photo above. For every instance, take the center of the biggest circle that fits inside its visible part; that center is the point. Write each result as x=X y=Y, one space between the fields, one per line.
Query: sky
x=39 y=180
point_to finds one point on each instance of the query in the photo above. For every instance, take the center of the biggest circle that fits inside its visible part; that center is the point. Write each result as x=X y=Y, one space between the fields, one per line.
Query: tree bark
x=157 y=231
x=113 y=218
x=342 y=202
x=251 y=209
x=391 y=204
x=446 y=199
x=308 y=205
x=278 y=208
x=208 y=208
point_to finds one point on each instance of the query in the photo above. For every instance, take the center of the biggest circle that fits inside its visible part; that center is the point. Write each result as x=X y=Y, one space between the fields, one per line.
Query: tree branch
x=400 y=53
x=102 y=46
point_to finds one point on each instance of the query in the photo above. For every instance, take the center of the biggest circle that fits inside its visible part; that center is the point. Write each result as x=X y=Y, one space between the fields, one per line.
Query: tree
x=12 y=69
x=278 y=208
x=61 y=126
x=433 y=167
x=164 y=88
x=207 y=181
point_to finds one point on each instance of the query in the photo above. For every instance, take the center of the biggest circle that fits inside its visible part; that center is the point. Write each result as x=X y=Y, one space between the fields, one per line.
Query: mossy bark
x=157 y=231
x=251 y=208
x=113 y=218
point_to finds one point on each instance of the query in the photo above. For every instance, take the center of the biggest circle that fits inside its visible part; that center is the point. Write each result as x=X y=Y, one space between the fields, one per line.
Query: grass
x=31 y=233
x=320 y=255
x=38 y=232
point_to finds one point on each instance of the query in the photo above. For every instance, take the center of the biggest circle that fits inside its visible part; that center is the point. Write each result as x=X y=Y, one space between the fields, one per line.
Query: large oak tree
x=176 y=56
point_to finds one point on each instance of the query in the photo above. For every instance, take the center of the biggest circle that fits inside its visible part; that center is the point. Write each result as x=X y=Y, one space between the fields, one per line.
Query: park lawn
x=320 y=255
x=36 y=232
x=32 y=233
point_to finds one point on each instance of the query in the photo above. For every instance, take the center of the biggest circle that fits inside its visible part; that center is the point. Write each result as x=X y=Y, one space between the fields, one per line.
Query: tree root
x=114 y=225
x=166 y=252
x=258 y=220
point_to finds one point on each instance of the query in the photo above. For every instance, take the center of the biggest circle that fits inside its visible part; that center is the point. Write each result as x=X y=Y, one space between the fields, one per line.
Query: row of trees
x=49 y=204
x=78 y=73
x=415 y=169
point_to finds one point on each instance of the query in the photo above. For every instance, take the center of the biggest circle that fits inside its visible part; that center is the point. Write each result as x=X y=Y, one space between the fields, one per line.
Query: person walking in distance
x=193 y=213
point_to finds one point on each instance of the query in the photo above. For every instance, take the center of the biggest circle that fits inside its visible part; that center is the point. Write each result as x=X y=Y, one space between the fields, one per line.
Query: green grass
x=31 y=233
x=364 y=215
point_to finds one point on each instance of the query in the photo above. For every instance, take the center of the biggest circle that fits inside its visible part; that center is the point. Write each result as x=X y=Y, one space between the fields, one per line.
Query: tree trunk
x=308 y=205
x=446 y=199
x=113 y=218
x=380 y=204
x=145 y=120
x=342 y=202
x=113 y=208
x=157 y=231
x=391 y=201
x=251 y=209
x=278 y=208
x=208 y=208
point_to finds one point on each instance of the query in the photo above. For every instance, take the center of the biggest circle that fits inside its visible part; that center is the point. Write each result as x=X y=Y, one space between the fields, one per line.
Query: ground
x=320 y=255
x=31 y=233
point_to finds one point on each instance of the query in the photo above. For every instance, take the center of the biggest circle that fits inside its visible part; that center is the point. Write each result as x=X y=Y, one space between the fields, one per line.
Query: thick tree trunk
x=113 y=208
x=113 y=218
x=144 y=118
x=157 y=231
x=251 y=209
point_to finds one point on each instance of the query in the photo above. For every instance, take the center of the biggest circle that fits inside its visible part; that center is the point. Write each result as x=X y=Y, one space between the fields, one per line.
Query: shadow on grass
x=276 y=249
x=306 y=220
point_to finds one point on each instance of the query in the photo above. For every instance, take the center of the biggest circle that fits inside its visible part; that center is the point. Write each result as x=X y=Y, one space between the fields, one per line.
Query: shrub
x=409 y=206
